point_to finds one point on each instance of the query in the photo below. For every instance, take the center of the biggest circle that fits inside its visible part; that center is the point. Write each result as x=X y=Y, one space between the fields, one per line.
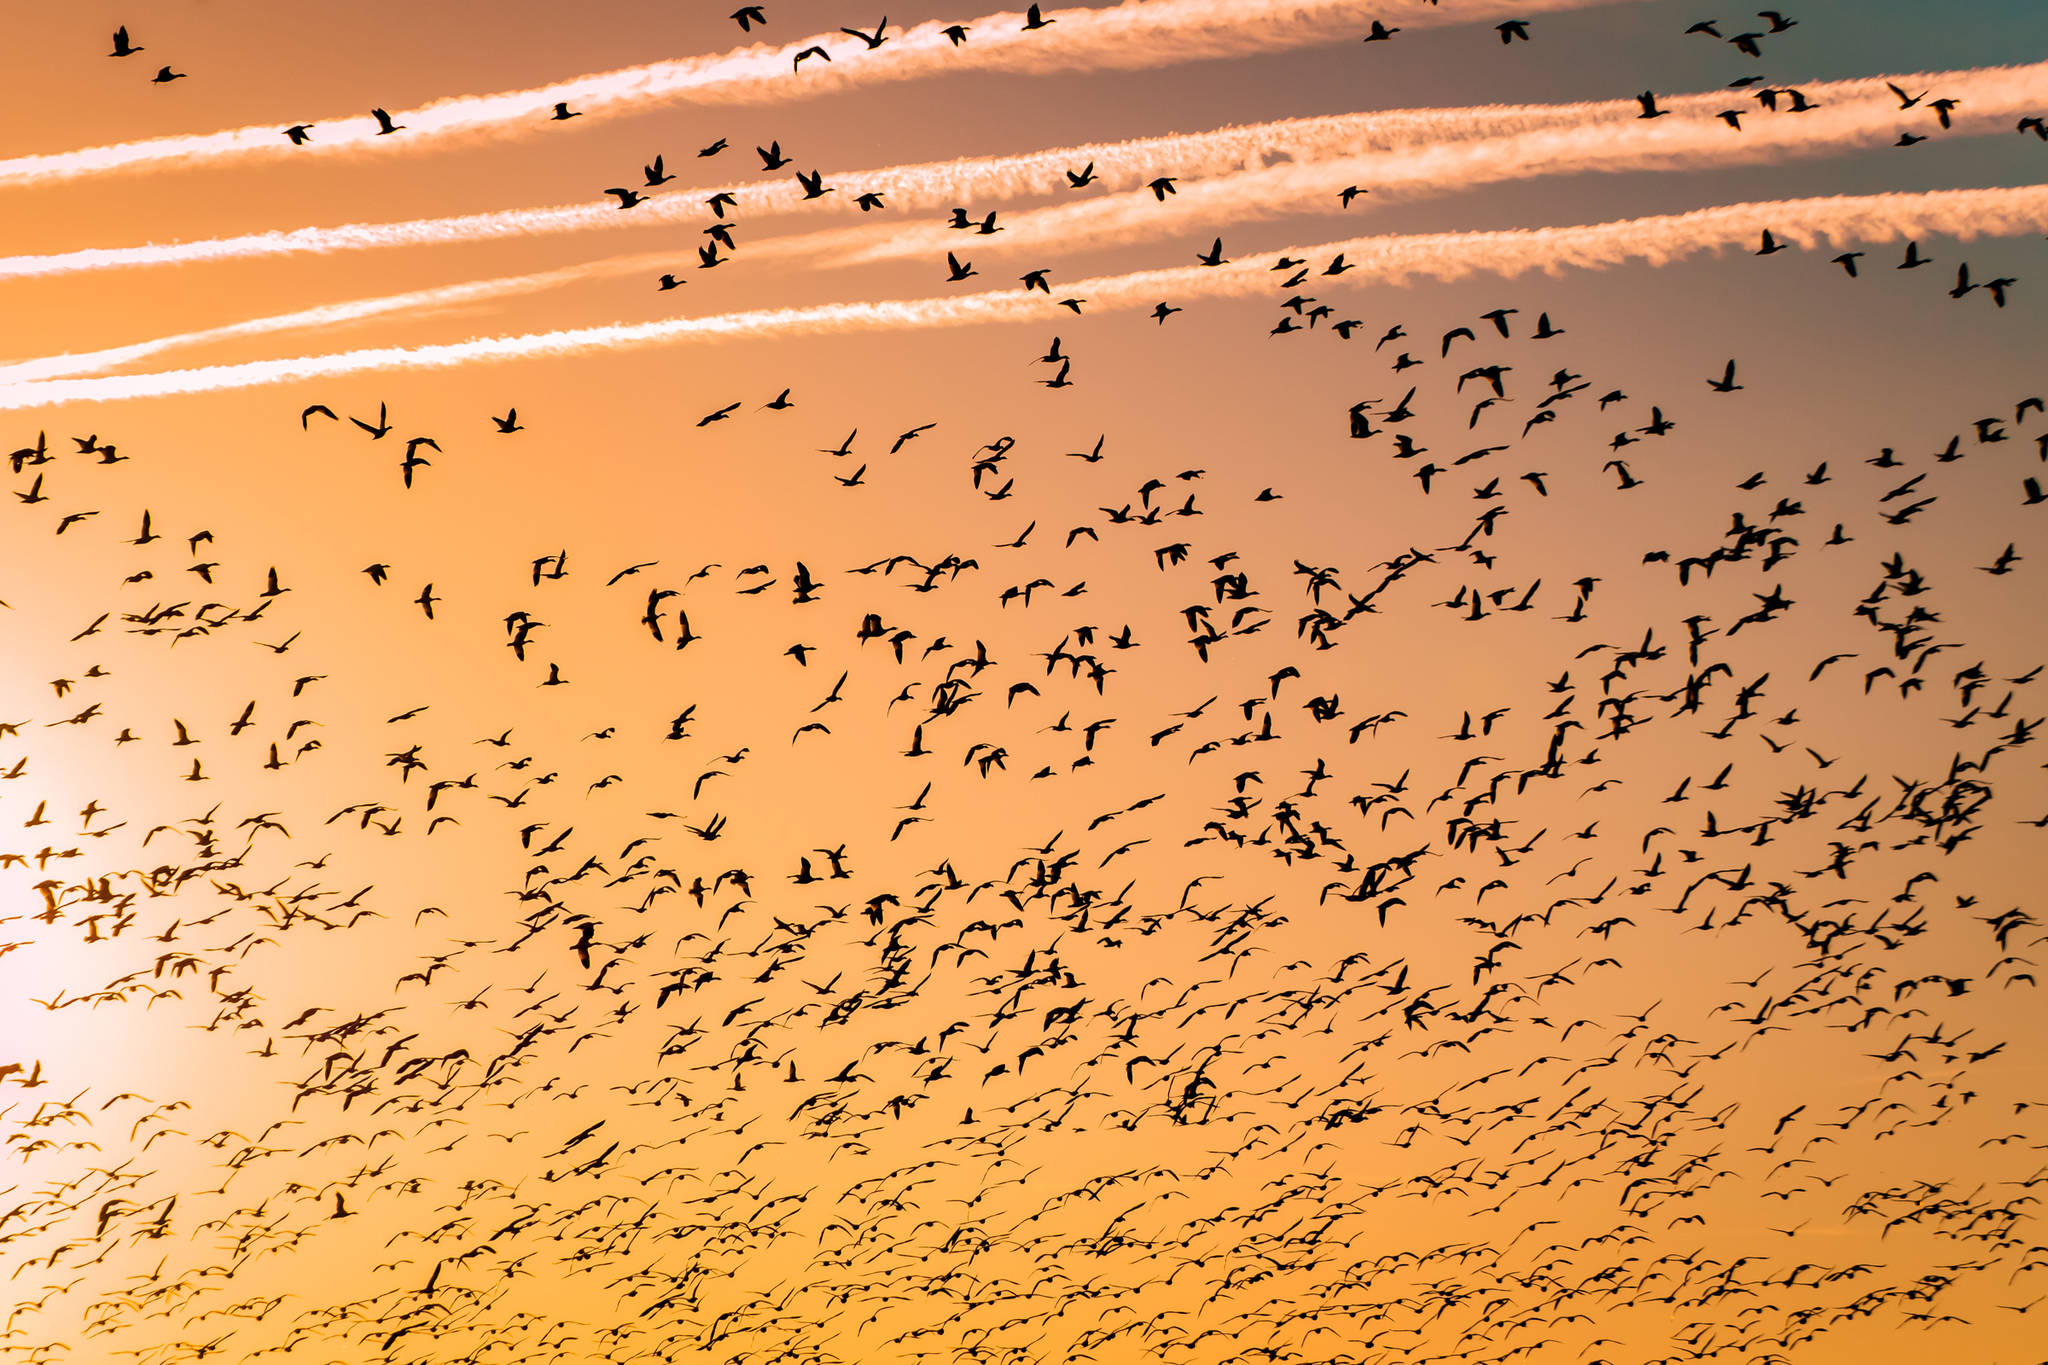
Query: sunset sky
x=1426 y=753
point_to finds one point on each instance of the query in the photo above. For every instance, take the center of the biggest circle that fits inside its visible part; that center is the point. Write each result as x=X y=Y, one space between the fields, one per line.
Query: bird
x=122 y=47
x=299 y=133
x=1726 y=383
x=164 y=76
x=1648 y=99
x=384 y=124
x=378 y=430
x=413 y=459
x=873 y=40
x=1380 y=33
x=746 y=16
x=563 y=111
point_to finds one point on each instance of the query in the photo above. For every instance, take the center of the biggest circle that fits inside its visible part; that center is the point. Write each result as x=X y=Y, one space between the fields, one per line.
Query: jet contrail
x=1608 y=138
x=416 y=302
x=1418 y=149
x=1963 y=214
x=1859 y=114
x=1121 y=37
x=1552 y=139
x=1843 y=110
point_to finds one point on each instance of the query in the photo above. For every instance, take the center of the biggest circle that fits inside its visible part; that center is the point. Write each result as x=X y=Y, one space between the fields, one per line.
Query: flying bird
x=873 y=40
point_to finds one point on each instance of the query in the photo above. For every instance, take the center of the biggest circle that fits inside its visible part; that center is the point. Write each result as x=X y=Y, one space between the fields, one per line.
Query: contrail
x=1840 y=111
x=1964 y=214
x=1122 y=37
x=415 y=301
x=1529 y=141
x=1858 y=114
x=1399 y=151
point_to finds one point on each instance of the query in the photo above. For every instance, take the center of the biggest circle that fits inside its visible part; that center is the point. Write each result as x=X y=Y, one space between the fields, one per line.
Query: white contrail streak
x=1126 y=36
x=415 y=302
x=1860 y=111
x=1858 y=114
x=1401 y=155
x=1386 y=260
x=1398 y=152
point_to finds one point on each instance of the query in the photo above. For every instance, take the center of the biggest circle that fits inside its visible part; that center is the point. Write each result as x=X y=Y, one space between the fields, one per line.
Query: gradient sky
x=1529 y=921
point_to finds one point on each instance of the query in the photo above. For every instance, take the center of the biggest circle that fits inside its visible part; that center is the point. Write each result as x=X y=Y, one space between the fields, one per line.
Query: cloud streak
x=415 y=302
x=1399 y=152
x=1604 y=139
x=1385 y=260
x=1120 y=37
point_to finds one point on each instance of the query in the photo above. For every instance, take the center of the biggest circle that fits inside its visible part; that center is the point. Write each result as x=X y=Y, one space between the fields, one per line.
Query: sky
x=1165 y=686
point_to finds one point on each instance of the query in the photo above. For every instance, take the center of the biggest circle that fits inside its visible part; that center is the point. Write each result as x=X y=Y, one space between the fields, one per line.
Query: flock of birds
x=1189 y=973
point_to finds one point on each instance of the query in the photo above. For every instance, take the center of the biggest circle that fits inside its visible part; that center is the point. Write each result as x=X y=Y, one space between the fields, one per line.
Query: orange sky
x=1478 y=887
